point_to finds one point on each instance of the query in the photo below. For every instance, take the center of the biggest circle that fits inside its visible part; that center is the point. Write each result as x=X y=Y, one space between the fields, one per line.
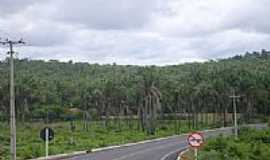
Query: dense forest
x=62 y=90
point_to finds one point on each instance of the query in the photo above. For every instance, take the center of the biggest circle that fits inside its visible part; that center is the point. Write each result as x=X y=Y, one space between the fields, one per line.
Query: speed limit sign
x=195 y=139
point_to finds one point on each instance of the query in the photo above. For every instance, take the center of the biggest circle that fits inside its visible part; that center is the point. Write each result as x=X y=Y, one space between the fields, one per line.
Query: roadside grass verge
x=251 y=145
x=29 y=144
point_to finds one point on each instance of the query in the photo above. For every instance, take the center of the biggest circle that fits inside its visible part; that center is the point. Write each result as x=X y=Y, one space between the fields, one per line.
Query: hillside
x=111 y=89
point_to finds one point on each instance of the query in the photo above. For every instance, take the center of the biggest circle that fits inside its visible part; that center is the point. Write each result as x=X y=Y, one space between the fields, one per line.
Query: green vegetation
x=30 y=145
x=251 y=145
x=118 y=104
x=104 y=90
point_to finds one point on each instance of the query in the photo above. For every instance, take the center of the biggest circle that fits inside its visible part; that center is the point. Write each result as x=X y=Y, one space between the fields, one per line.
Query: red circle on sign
x=195 y=139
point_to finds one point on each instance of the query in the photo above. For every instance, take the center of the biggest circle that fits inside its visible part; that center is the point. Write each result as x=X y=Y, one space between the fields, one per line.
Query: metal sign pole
x=196 y=153
x=195 y=140
x=47 y=142
x=47 y=134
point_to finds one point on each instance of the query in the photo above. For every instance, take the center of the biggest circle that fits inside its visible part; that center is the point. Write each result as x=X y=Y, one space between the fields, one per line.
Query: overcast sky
x=140 y=32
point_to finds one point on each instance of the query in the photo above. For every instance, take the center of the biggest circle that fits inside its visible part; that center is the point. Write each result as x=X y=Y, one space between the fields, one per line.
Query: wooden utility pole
x=12 y=97
x=234 y=97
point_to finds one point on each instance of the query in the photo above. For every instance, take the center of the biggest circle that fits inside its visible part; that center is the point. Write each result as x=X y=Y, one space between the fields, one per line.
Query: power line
x=10 y=43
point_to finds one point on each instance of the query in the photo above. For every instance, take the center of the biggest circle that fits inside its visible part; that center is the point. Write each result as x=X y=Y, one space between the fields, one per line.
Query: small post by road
x=47 y=134
x=47 y=143
x=10 y=43
x=196 y=153
x=234 y=97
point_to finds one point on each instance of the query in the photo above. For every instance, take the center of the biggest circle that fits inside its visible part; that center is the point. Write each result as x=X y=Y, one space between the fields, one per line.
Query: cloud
x=136 y=32
x=104 y=14
x=204 y=17
x=250 y=16
x=8 y=7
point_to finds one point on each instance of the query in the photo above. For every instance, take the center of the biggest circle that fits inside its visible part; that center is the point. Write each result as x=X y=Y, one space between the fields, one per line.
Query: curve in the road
x=157 y=150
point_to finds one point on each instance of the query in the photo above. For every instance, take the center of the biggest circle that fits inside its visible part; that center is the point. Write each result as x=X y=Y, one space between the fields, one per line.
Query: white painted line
x=180 y=155
x=53 y=157
x=136 y=143
x=127 y=156
x=172 y=152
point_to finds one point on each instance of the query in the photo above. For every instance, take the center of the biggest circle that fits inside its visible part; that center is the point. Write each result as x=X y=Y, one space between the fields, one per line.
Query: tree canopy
x=109 y=89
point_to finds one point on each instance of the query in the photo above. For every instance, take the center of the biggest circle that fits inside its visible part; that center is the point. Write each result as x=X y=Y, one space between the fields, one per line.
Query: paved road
x=158 y=150
x=165 y=149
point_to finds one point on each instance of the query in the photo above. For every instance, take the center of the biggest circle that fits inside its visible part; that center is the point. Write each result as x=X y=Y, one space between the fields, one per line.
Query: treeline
x=61 y=90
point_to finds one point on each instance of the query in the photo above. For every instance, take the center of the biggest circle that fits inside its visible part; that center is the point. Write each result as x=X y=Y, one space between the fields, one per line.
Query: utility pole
x=10 y=43
x=234 y=97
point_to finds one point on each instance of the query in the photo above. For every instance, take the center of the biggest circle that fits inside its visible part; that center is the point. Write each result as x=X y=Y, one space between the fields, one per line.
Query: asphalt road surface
x=159 y=150
x=165 y=149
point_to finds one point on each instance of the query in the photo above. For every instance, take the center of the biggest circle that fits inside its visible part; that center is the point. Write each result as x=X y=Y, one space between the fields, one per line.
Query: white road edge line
x=125 y=157
x=136 y=143
x=179 y=156
x=77 y=153
x=172 y=152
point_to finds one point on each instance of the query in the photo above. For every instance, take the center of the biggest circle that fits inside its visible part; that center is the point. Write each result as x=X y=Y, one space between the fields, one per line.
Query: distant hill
x=264 y=54
x=98 y=88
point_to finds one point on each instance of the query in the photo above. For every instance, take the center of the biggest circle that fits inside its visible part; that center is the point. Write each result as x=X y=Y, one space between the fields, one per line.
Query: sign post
x=195 y=140
x=196 y=153
x=47 y=135
x=47 y=143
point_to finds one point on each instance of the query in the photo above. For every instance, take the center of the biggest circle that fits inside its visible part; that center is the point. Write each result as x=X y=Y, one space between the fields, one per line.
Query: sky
x=136 y=32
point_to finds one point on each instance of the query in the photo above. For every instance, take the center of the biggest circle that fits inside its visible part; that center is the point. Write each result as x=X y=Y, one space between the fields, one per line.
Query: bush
x=260 y=151
x=252 y=144
x=211 y=155
x=217 y=144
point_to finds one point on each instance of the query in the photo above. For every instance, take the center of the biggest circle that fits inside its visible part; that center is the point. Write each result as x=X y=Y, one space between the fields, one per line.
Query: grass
x=29 y=144
x=251 y=145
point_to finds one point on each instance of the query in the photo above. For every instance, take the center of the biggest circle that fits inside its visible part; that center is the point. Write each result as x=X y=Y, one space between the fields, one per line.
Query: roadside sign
x=47 y=135
x=50 y=134
x=195 y=139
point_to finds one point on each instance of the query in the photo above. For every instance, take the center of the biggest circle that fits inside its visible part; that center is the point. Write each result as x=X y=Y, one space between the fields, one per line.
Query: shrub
x=218 y=144
x=211 y=155
x=252 y=144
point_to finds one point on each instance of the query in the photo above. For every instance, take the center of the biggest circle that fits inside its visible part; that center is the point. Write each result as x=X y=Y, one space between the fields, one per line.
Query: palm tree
x=151 y=101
